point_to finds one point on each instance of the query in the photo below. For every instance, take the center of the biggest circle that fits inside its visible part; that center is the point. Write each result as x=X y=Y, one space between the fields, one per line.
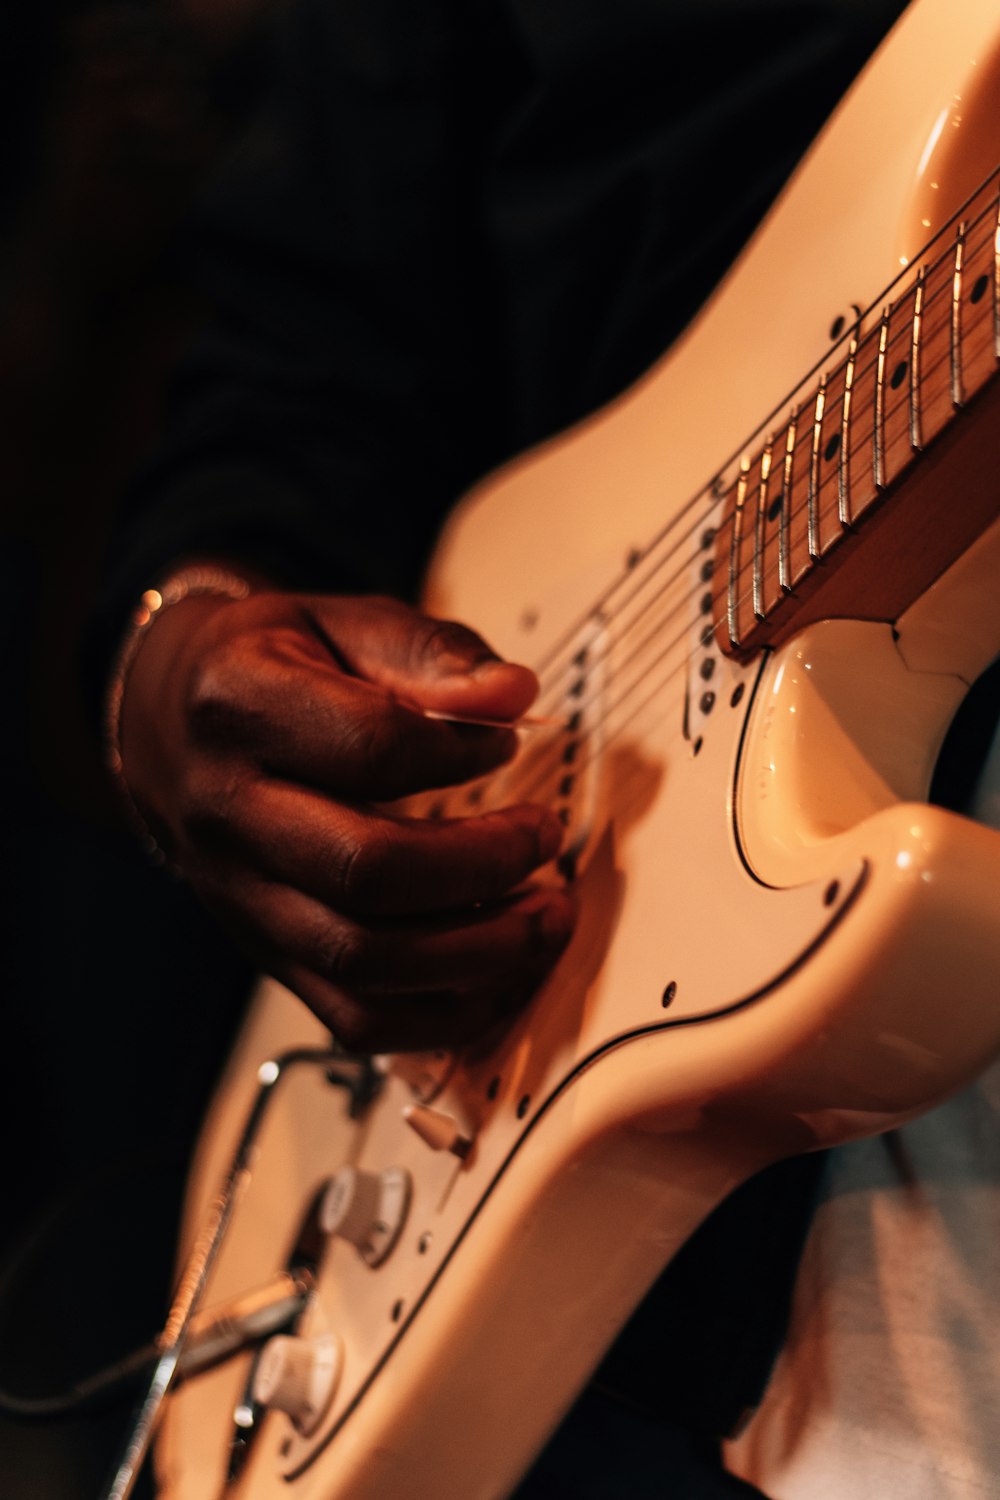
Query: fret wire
x=916 y=354
x=955 y=327
x=996 y=284
x=878 y=431
x=784 y=558
x=758 y=541
x=843 y=475
x=735 y=545
x=812 y=496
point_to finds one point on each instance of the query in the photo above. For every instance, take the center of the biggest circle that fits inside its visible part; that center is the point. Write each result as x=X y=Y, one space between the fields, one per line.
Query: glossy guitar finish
x=781 y=944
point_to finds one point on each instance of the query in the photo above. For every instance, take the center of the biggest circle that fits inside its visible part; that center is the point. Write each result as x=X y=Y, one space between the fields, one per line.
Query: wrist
x=138 y=696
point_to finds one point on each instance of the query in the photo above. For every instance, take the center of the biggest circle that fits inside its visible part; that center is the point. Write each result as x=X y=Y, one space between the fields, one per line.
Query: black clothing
x=453 y=230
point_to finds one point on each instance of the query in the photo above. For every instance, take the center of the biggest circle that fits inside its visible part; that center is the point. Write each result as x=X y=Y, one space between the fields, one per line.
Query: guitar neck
x=839 y=509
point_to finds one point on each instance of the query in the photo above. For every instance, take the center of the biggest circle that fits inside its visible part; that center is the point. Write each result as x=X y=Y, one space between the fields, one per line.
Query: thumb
x=430 y=663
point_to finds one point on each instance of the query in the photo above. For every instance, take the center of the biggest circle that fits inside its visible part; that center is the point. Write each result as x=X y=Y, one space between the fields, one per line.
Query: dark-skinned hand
x=261 y=740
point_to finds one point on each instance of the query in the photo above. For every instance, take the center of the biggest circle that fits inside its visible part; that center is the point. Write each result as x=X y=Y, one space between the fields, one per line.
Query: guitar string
x=550 y=659
x=826 y=508
x=538 y=776
x=557 y=764
x=643 y=584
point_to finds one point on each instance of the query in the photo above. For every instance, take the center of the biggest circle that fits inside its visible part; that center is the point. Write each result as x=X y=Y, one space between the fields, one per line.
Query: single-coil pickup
x=561 y=740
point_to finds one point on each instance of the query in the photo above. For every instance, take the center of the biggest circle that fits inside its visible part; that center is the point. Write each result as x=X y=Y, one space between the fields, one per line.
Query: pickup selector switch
x=437 y=1129
x=367 y=1209
x=298 y=1376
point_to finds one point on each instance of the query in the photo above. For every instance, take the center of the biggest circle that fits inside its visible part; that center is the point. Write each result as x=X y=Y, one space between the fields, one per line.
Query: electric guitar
x=756 y=589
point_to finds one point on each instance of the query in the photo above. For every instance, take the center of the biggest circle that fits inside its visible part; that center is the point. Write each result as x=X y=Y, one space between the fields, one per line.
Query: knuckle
x=357 y=1028
x=209 y=809
x=362 y=867
x=341 y=953
x=373 y=738
x=441 y=642
x=217 y=697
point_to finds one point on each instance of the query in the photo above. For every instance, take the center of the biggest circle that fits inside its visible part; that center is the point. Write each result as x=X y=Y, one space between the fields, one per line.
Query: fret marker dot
x=899 y=374
x=832 y=447
x=979 y=289
x=774 y=509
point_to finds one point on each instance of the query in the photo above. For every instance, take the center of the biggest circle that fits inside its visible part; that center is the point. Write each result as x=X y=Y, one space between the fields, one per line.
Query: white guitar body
x=827 y=944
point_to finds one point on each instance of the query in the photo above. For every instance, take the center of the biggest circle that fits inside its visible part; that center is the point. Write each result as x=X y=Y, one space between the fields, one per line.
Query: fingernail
x=487 y=668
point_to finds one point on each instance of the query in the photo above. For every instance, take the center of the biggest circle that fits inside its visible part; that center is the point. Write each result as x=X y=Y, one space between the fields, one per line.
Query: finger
x=364 y=862
x=284 y=704
x=400 y=1023
x=437 y=664
x=411 y=1024
x=493 y=949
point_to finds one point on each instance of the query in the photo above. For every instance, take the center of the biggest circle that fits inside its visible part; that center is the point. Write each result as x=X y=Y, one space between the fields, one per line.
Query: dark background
x=112 y=115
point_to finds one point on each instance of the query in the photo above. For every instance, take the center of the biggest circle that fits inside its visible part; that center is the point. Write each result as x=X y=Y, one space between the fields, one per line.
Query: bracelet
x=199 y=579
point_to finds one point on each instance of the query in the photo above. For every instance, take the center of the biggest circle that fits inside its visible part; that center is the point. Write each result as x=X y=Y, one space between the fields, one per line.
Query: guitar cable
x=213 y=1336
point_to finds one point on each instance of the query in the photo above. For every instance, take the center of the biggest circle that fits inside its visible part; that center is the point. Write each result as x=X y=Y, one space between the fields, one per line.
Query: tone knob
x=367 y=1209
x=298 y=1376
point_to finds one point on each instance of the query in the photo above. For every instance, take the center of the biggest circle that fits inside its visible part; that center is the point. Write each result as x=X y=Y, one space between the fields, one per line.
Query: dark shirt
x=453 y=229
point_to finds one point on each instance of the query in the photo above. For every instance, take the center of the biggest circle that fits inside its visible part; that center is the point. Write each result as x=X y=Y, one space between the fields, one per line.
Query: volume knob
x=367 y=1209
x=298 y=1376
